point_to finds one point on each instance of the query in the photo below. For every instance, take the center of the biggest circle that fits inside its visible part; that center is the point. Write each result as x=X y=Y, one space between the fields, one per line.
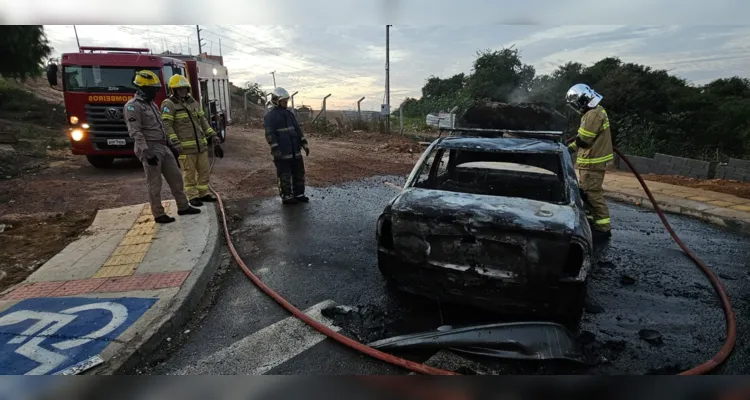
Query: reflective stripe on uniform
x=182 y=156
x=173 y=137
x=586 y=133
x=274 y=145
x=201 y=187
x=211 y=131
x=288 y=128
x=598 y=160
x=167 y=116
x=604 y=221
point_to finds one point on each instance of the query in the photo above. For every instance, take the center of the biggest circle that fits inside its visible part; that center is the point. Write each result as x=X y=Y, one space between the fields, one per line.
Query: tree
x=23 y=49
x=254 y=92
x=436 y=87
x=497 y=75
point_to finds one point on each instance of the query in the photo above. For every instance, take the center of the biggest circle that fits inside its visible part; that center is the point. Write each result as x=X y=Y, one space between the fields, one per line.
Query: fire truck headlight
x=76 y=135
x=74 y=120
x=85 y=126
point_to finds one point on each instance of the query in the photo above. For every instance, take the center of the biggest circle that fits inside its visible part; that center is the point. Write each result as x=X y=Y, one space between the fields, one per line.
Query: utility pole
x=274 y=78
x=200 y=42
x=77 y=41
x=387 y=79
x=219 y=47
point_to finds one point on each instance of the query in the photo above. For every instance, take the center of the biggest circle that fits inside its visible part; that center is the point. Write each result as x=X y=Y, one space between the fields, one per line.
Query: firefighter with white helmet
x=287 y=141
x=187 y=127
x=594 y=146
x=153 y=147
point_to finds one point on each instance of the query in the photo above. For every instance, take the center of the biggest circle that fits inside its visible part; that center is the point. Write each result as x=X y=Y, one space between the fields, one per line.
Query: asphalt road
x=325 y=251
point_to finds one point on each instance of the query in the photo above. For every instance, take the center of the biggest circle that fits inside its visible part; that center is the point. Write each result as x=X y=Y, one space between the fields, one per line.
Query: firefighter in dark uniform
x=287 y=141
x=153 y=148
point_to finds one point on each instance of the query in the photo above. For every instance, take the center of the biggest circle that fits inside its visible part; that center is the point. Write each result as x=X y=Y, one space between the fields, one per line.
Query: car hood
x=481 y=210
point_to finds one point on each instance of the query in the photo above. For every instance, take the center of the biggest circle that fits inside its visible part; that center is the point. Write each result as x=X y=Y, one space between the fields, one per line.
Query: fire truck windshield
x=111 y=79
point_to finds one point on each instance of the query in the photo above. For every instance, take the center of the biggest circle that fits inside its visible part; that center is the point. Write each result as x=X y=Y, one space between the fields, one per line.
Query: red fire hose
x=703 y=368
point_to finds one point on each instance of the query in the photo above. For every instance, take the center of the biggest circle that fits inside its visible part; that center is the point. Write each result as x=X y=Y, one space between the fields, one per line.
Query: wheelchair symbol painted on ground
x=46 y=335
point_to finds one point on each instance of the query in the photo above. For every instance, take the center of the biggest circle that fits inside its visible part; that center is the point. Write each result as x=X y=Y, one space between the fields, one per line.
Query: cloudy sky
x=348 y=61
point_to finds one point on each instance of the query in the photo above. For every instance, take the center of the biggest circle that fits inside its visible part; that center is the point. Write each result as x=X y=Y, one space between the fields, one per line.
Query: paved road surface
x=324 y=252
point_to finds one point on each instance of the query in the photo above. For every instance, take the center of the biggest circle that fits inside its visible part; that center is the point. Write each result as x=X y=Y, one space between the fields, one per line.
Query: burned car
x=493 y=222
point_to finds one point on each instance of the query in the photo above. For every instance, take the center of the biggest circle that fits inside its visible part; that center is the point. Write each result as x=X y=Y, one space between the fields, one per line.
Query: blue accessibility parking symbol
x=47 y=335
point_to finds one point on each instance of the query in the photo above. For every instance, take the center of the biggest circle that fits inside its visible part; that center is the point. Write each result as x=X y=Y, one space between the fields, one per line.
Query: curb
x=737 y=225
x=177 y=312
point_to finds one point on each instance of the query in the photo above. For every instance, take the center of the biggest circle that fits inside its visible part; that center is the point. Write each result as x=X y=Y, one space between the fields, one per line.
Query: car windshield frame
x=438 y=152
x=89 y=74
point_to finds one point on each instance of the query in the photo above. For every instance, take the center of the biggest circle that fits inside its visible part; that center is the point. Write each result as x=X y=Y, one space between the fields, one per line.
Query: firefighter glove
x=307 y=150
x=215 y=140
x=218 y=151
x=573 y=147
x=276 y=154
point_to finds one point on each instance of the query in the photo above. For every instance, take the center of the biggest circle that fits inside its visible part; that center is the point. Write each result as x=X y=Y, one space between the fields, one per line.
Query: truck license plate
x=116 y=142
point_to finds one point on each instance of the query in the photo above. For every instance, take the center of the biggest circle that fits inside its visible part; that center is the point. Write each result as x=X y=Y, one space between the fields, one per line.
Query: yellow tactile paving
x=133 y=247
x=117 y=270
x=124 y=259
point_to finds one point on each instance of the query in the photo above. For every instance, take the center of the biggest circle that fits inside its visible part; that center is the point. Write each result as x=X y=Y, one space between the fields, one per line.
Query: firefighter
x=287 y=141
x=594 y=146
x=187 y=127
x=153 y=148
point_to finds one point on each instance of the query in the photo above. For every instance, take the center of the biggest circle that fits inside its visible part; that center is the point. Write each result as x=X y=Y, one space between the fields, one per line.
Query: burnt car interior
x=530 y=176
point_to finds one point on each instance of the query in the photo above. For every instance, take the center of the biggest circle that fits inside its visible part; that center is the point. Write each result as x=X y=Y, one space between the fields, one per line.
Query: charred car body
x=493 y=222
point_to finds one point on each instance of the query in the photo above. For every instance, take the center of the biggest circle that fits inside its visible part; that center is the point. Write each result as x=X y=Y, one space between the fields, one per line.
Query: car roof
x=510 y=145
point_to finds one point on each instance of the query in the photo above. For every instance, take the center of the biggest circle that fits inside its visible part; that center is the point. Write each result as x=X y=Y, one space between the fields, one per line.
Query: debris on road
x=516 y=340
x=651 y=336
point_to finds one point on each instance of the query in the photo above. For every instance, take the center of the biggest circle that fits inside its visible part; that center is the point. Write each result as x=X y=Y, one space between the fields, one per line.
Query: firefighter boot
x=164 y=219
x=196 y=203
x=302 y=198
x=207 y=198
x=188 y=211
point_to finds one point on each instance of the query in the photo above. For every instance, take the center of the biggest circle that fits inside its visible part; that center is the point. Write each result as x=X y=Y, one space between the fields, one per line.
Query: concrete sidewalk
x=717 y=208
x=110 y=296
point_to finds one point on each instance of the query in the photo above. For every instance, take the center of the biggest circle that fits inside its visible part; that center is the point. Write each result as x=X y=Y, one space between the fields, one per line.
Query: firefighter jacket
x=186 y=124
x=594 y=140
x=283 y=134
x=144 y=123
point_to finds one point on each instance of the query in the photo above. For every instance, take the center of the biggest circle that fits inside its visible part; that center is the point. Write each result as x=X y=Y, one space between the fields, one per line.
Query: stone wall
x=736 y=170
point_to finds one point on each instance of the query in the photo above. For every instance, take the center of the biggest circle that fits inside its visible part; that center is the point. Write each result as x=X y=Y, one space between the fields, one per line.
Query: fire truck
x=98 y=81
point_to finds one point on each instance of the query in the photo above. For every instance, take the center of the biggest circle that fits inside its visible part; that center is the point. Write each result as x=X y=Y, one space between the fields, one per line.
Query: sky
x=348 y=61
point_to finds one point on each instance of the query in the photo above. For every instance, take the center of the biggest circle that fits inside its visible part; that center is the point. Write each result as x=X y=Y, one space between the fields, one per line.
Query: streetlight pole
x=274 y=78
x=387 y=79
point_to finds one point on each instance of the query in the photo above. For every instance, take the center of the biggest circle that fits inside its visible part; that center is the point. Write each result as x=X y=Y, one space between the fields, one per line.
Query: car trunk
x=505 y=238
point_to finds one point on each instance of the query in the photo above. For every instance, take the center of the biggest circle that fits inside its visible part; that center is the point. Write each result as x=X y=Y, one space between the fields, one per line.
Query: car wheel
x=570 y=305
x=222 y=131
x=100 y=161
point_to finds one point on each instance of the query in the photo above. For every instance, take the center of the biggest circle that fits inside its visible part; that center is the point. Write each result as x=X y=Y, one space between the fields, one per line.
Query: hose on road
x=703 y=368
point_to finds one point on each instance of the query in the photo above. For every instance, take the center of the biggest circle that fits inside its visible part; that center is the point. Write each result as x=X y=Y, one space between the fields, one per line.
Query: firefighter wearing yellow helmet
x=153 y=147
x=594 y=146
x=187 y=127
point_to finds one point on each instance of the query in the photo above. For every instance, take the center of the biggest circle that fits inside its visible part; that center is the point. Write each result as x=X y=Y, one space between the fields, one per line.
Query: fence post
x=294 y=110
x=323 y=110
x=401 y=118
x=453 y=117
x=359 y=112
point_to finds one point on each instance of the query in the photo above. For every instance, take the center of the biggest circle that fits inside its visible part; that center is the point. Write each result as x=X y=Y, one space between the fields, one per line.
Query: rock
x=3 y=227
x=651 y=336
x=627 y=280
x=187 y=331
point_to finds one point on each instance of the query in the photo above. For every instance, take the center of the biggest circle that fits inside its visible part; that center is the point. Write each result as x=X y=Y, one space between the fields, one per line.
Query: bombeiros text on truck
x=98 y=81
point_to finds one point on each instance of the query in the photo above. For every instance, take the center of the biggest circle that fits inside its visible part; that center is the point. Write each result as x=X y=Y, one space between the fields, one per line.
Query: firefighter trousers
x=195 y=173
x=166 y=166
x=291 y=176
x=591 y=182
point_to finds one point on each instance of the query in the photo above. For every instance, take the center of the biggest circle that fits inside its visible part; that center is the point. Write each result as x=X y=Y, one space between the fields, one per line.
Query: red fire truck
x=98 y=81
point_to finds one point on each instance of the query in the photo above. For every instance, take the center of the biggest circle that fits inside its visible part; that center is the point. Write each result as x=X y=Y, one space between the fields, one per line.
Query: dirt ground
x=739 y=189
x=44 y=210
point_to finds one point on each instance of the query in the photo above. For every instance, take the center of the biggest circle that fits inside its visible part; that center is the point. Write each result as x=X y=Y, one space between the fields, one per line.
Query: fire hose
x=700 y=369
